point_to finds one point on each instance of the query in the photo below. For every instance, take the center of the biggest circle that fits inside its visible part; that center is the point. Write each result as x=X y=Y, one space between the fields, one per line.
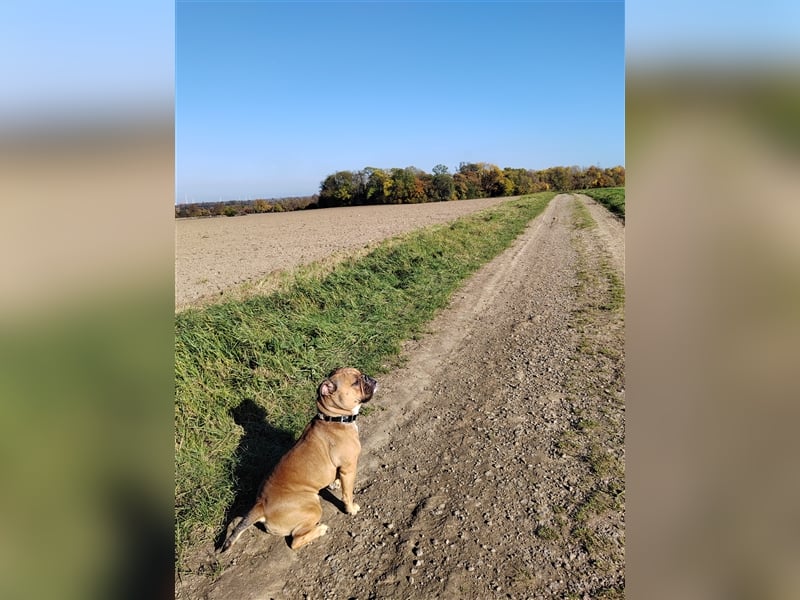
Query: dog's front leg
x=347 y=476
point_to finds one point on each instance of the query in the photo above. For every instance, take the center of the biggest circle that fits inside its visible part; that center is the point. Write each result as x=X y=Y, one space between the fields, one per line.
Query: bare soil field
x=493 y=466
x=214 y=255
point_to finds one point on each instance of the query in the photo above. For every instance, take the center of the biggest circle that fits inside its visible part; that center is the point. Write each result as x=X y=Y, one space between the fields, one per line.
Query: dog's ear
x=326 y=388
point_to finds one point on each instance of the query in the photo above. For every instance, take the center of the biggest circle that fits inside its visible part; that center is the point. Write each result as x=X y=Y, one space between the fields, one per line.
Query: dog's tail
x=255 y=515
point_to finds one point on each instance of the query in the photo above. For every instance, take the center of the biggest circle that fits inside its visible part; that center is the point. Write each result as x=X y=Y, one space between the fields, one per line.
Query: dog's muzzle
x=370 y=386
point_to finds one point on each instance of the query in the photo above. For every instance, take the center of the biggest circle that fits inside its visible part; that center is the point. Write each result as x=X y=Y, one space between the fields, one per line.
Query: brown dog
x=288 y=503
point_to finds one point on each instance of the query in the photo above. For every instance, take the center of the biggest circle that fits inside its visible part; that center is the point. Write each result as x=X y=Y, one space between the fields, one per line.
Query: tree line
x=410 y=185
x=471 y=180
x=233 y=208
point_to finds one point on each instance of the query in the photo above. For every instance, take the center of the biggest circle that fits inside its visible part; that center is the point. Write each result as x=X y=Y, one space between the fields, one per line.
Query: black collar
x=342 y=419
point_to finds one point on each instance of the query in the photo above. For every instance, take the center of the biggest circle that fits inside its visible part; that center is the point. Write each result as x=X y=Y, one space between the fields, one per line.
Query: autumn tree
x=592 y=177
x=520 y=180
x=558 y=178
x=467 y=181
x=442 y=185
x=422 y=184
x=262 y=206
x=616 y=175
x=360 y=187
x=338 y=189
x=403 y=186
x=379 y=186
x=494 y=182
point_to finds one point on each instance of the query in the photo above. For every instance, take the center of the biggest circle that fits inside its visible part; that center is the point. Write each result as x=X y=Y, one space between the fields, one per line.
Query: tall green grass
x=612 y=198
x=246 y=371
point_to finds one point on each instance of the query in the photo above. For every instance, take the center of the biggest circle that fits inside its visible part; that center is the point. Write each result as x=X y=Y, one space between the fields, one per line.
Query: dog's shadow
x=259 y=451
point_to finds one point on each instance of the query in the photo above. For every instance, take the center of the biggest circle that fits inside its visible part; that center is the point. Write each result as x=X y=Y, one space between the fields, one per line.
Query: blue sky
x=84 y=60
x=271 y=97
x=716 y=33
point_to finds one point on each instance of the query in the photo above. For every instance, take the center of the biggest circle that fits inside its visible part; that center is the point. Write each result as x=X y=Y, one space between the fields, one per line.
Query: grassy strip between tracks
x=612 y=198
x=246 y=371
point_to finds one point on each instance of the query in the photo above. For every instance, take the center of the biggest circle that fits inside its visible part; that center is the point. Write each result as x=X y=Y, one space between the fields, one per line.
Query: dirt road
x=494 y=465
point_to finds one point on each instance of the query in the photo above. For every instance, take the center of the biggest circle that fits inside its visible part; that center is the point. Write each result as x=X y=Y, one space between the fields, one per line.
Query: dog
x=328 y=449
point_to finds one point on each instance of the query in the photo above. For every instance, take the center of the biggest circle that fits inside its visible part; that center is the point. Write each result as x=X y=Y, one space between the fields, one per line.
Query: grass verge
x=596 y=434
x=246 y=371
x=581 y=217
x=612 y=198
x=613 y=297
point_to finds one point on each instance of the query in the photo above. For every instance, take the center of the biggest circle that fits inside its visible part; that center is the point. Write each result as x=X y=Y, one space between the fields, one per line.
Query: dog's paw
x=353 y=509
x=323 y=529
x=335 y=485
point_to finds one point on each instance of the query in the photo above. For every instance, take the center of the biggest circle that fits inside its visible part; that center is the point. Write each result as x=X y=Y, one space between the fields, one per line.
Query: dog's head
x=344 y=390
